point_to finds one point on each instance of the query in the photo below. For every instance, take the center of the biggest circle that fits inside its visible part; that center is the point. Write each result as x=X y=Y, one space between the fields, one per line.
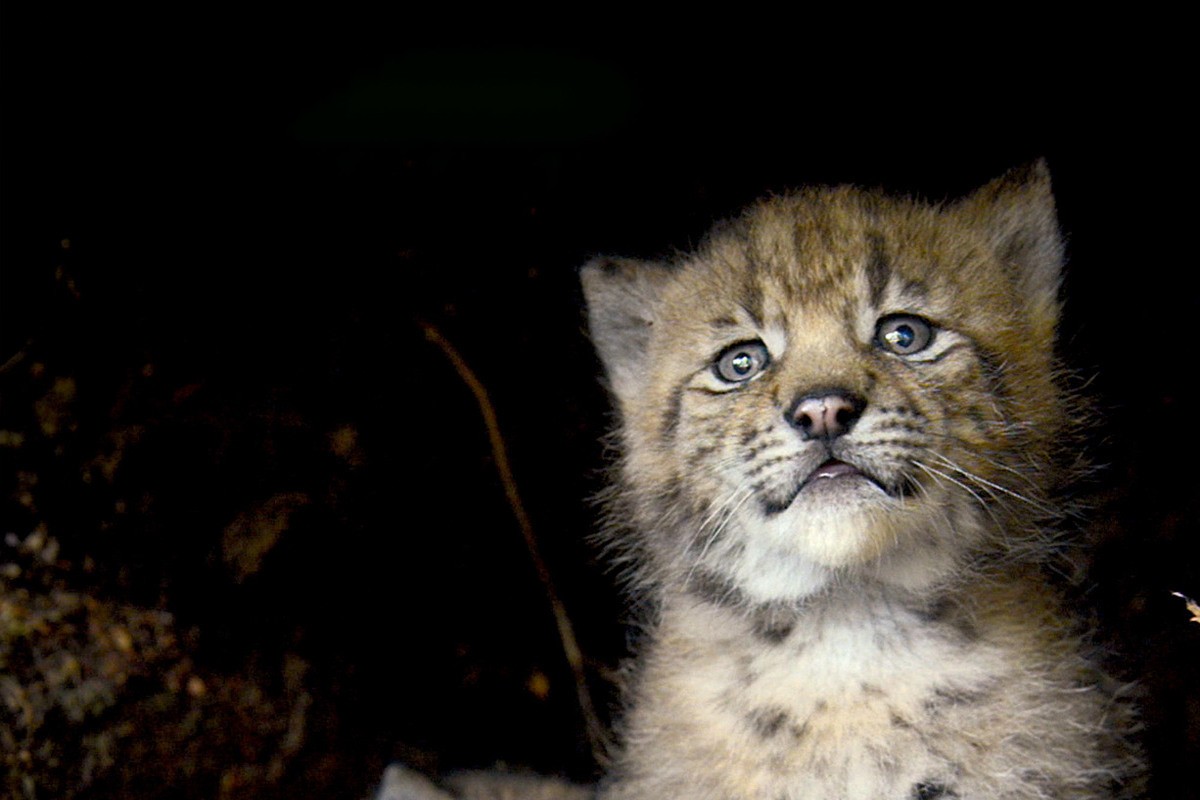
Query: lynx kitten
x=841 y=430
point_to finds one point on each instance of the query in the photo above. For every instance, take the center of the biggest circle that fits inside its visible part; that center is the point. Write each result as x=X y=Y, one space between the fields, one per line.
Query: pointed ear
x=622 y=304
x=1016 y=213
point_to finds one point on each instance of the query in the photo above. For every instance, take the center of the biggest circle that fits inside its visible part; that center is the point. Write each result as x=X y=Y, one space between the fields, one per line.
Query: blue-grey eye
x=742 y=361
x=903 y=334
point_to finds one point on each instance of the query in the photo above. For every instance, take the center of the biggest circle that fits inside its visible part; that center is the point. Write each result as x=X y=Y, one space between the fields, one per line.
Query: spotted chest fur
x=841 y=427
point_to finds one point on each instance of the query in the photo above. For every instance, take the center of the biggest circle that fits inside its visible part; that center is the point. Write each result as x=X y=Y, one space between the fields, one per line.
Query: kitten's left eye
x=742 y=361
x=903 y=334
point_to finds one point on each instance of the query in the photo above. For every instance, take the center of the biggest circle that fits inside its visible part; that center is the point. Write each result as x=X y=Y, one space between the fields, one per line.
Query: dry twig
x=566 y=632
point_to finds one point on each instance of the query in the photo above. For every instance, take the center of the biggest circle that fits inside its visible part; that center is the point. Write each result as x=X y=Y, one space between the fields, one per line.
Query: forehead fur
x=816 y=246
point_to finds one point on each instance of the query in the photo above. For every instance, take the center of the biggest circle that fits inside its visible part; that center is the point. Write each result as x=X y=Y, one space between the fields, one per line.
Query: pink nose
x=826 y=416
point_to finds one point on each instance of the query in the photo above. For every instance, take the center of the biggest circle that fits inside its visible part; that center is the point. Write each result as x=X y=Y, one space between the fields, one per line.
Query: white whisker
x=987 y=485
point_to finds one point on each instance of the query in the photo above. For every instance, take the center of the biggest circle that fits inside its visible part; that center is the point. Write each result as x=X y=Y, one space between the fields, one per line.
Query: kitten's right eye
x=742 y=361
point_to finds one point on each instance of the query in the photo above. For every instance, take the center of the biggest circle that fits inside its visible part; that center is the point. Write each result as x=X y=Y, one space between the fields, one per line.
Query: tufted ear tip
x=1021 y=191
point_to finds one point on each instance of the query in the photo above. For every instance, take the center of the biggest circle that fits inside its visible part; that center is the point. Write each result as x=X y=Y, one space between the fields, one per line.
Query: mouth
x=827 y=476
x=834 y=470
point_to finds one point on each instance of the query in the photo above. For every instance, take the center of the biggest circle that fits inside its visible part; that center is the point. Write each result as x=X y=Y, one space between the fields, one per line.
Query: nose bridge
x=822 y=357
x=824 y=378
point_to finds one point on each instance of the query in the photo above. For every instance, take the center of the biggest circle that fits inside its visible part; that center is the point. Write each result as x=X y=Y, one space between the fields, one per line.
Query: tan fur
x=882 y=635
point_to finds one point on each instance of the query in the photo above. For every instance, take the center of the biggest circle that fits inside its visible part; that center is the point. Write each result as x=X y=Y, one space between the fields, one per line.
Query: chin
x=838 y=524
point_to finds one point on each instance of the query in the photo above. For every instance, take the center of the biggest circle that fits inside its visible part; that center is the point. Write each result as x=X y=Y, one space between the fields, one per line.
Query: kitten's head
x=837 y=385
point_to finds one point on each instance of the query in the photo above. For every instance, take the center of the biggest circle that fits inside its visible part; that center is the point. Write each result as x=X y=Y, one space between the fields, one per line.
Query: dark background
x=226 y=232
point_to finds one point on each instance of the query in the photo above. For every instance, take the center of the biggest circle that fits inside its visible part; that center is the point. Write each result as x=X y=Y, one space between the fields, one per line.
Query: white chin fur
x=797 y=552
x=835 y=526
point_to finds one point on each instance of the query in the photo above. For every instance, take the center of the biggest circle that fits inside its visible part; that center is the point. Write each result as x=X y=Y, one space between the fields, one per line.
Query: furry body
x=841 y=427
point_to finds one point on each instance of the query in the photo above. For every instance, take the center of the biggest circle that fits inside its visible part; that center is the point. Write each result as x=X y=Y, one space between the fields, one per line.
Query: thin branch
x=16 y=358
x=566 y=632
